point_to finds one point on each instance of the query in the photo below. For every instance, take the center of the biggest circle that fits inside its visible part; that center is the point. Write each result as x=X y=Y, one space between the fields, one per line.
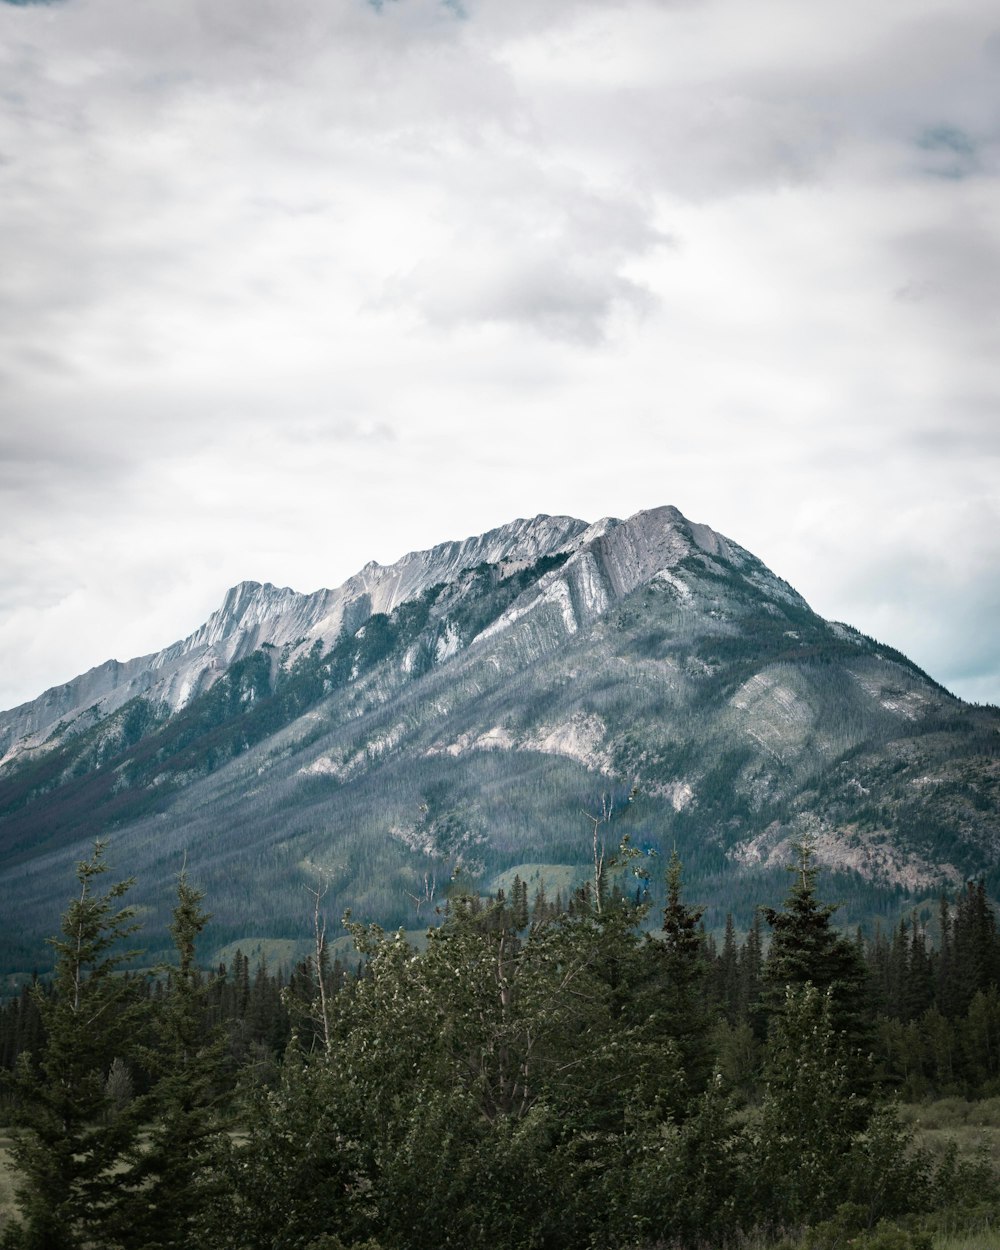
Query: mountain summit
x=461 y=709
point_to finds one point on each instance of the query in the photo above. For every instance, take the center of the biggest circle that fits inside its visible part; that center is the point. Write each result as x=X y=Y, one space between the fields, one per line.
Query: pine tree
x=76 y=1141
x=918 y=986
x=171 y=1171
x=806 y=949
x=976 y=944
x=944 y=972
x=751 y=970
x=519 y=904
x=680 y=1005
x=728 y=988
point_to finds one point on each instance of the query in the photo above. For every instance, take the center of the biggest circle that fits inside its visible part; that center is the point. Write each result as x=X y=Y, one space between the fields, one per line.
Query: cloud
x=288 y=288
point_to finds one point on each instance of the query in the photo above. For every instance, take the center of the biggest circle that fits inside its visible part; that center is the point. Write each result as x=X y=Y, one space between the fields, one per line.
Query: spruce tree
x=172 y=1173
x=77 y=1140
x=751 y=969
x=976 y=944
x=728 y=975
x=680 y=1006
x=806 y=950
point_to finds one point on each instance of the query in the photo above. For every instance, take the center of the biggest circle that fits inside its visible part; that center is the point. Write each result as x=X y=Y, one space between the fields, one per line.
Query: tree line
x=541 y=1074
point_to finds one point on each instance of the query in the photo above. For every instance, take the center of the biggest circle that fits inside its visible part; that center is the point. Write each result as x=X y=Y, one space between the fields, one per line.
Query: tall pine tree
x=78 y=1132
x=172 y=1174
x=806 y=950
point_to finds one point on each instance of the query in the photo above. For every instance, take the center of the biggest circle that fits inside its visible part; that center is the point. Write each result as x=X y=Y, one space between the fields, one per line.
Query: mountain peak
x=462 y=703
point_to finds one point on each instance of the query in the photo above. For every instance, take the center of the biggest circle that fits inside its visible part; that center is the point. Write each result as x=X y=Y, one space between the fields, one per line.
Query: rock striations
x=607 y=560
x=255 y=615
x=456 y=710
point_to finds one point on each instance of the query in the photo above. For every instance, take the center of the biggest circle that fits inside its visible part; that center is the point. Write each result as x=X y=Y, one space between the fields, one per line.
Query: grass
x=984 y=1239
x=973 y=1126
x=8 y=1207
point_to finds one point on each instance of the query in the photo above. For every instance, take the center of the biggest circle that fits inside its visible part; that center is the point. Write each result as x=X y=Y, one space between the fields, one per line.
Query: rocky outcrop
x=607 y=560
x=253 y=615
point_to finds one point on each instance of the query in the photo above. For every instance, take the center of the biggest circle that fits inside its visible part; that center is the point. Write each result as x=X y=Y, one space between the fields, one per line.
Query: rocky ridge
x=461 y=706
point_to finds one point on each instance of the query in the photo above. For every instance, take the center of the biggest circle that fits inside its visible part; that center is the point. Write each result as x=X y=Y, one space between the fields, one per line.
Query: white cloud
x=287 y=288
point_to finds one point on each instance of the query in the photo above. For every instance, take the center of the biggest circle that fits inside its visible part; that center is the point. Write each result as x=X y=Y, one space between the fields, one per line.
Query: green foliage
x=528 y=1076
x=806 y=950
x=74 y=1135
x=850 y=1229
x=294 y=1174
x=808 y=1114
x=171 y=1176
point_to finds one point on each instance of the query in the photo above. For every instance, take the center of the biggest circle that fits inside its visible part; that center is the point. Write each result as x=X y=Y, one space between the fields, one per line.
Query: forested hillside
x=542 y=1072
x=437 y=715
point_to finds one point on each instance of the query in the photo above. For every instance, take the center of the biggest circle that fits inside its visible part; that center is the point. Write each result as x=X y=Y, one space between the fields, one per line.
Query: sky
x=290 y=285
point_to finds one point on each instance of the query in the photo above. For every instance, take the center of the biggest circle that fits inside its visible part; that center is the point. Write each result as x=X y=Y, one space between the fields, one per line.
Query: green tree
x=294 y=1176
x=172 y=1179
x=808 y=1113
x=976 y=945
x=806 y=950
x=676 y=996
x=77 y=1140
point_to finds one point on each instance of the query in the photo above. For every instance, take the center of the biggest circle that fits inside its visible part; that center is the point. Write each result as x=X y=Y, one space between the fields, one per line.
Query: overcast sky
x=289 y=285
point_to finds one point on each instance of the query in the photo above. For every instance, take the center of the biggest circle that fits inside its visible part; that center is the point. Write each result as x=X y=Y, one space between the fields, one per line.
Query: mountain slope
x=457 y=710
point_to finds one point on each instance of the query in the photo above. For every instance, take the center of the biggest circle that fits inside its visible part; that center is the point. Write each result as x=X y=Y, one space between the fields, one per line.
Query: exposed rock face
x=609 y=559
x=466 y=702
x=253 y=615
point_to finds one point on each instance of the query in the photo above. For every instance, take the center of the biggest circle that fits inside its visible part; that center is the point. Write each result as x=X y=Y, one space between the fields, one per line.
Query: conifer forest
x=563 y=1072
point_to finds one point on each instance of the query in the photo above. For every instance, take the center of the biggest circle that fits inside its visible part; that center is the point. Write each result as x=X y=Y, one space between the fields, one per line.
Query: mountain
x=467 y=709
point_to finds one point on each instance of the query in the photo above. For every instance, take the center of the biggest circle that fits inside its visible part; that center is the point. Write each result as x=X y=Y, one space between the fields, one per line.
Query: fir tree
x=680 y=1006
x=806 y=950
x=75 y=1139
x=171 y=1171
x=976 y=945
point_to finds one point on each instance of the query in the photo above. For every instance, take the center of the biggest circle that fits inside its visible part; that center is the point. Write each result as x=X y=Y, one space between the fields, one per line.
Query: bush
x=847 y=1228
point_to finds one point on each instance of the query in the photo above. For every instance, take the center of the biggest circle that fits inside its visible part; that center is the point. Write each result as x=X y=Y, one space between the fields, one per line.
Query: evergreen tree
x=172 y=1175
x=918 y=983
x=728 y=986
x=76 y=1139
x=519 y=904
x=751 y=968
x=976 y=944
x=677 y=998
x=806 y=950
x=945 y=995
